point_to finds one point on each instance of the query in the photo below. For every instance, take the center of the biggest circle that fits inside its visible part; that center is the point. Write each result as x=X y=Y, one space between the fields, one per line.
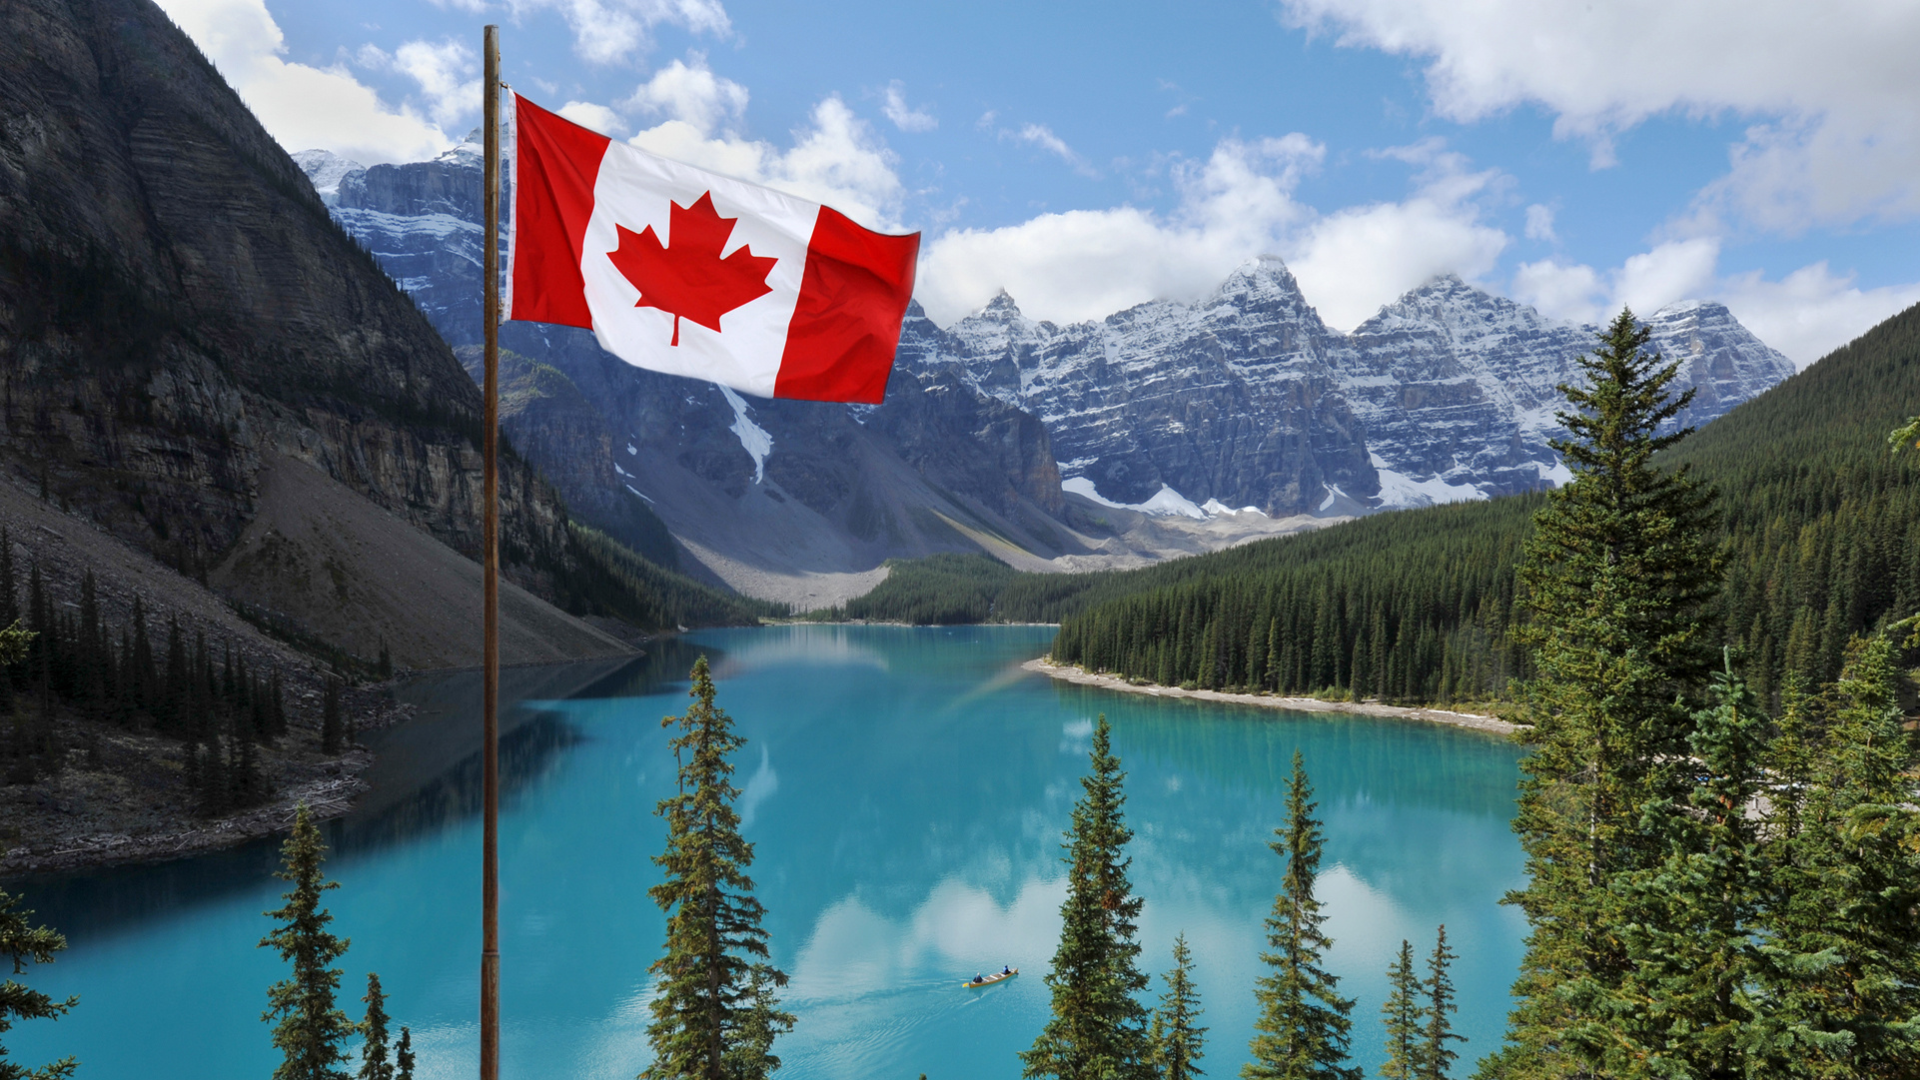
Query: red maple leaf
x=690 y=278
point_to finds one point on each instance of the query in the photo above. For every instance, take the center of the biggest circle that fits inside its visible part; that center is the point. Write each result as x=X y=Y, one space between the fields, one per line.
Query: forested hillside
x=1818 y=516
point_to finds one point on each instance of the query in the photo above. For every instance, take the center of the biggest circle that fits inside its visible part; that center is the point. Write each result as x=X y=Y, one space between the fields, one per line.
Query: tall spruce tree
x=311 y=1026
x=1176 y=1042
x=403 y=1055
x=1403 y=1016
x=1683 y=1008
x=1305 y=1027
x=24 y=943
x=1436 y=1056
x=1839 y=985
x=750 y=1052
x=1097 y=1030
x=373 y=1034
x=1614 y=581
x=711 y=1000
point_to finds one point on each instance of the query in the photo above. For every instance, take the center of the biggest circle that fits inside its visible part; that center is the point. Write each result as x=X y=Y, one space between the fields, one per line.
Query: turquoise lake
x=906 y=791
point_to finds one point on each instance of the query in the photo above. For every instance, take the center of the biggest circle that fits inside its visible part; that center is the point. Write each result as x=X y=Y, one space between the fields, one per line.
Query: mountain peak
x=1000 y=307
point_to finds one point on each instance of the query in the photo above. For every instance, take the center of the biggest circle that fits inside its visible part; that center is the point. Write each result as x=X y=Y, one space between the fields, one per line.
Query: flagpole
x=490 y=546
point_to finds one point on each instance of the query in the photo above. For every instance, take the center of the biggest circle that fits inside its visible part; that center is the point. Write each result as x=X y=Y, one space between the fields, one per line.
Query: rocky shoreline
x=1472 y=721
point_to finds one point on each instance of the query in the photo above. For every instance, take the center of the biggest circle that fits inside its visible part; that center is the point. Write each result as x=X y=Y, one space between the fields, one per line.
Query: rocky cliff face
x=1247 y=399
x=177 y=308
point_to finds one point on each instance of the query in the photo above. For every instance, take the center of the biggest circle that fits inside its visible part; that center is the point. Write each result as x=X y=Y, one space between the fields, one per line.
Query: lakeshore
x=1474 y=721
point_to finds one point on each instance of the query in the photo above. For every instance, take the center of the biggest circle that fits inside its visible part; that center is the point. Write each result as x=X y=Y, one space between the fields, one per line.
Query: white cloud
x=1354 y=260
x=693 y=94
x=1679 y=270
x=1086 y=264
x=597 y=117
x=836 y=160
x=1831 y=84
x=1812 y=311
x=1042 y=136
x=449 y=78
x=301 y=106
x=610 y=31
x=903 y=116
x=1540 y=223
x=1575 y=293
x=1805 y=315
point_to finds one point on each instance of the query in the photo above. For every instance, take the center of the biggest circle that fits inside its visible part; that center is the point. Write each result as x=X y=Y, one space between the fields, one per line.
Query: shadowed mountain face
x=177 y=308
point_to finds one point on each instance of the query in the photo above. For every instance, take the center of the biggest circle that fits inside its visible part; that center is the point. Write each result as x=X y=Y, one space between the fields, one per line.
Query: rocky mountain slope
x=180 y=317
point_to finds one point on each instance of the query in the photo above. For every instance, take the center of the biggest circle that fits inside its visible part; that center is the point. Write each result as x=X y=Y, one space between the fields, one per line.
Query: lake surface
x=906 y=791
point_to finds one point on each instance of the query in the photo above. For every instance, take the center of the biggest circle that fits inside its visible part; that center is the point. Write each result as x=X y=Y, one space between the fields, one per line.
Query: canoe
x=998 y=976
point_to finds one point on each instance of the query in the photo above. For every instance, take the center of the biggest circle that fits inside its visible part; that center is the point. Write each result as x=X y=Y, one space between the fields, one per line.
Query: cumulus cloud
x=301 y=106
x=596 y=117
x=1239 y=203
x=692 y=94
x=1085 y=264
x=904 y=116
x=1831 y=86
x=449 y=78
x=611 y=31
x=1805 y=315
x=835 y=159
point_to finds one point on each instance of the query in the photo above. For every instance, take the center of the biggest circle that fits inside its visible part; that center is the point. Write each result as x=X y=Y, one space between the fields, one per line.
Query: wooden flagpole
x=490 y=545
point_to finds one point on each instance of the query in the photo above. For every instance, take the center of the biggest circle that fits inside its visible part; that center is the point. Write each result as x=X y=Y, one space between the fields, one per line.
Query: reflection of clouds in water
x=811 y=645
x=855 y=950
x=760 y=786
x=1076 y=737
x=616 y=1047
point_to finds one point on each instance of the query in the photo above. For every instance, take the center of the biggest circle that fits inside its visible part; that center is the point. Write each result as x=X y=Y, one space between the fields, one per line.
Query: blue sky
x=1087 y=156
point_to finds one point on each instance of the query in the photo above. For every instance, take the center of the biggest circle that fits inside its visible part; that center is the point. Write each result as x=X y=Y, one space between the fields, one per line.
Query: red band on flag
x=554 y=175
x=853 y=296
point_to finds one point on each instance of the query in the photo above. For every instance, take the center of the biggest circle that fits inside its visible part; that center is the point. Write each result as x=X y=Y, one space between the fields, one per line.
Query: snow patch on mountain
x=753 y=438
x=1164 y=503
x=1398 y=491
x=324 y=170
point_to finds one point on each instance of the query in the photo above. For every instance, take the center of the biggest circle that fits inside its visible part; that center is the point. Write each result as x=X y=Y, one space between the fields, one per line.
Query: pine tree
x=749 y=1054
x=707 y=995
x=1683 y=1008
x=1403 y=1016
x=1839 y=985
x=332 y=730
x=373 y=1031
x=24 y=943
x=311 y=1027
x=1097 y=1028
x=1176 y=1042
x=1436 y=1057
x=403 y=1056
x=1305 y=1027
x=1616 y=577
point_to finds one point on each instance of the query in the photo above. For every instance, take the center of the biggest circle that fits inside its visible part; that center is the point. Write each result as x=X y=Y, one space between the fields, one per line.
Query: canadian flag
x=688 y=272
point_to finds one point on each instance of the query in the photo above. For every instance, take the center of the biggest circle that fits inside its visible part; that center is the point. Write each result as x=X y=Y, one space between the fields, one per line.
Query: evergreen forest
x=1815 y=526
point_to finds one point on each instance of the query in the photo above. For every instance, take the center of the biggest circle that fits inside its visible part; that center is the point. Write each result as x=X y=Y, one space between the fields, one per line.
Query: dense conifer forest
x=167 y=678
x=1816 y=517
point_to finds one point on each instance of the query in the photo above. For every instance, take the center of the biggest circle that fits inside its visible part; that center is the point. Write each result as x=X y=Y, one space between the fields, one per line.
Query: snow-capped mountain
x=1052 y=438
x=1246 y=398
